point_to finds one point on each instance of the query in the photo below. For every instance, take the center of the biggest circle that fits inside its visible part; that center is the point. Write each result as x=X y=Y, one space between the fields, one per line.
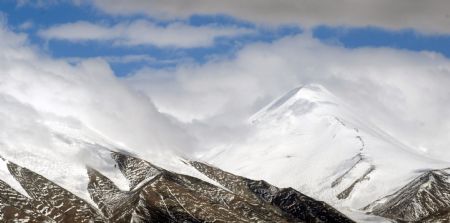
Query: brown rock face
x=424 y=199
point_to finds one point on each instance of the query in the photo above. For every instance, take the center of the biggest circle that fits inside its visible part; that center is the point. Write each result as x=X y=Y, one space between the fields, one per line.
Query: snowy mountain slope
x=159 y=196
x=310 y=140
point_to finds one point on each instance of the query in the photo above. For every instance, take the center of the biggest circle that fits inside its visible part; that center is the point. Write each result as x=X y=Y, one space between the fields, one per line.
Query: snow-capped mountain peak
x=313 y=141
x=299 y=100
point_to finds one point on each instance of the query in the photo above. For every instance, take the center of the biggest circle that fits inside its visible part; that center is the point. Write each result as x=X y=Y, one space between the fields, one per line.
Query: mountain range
x=309 y=158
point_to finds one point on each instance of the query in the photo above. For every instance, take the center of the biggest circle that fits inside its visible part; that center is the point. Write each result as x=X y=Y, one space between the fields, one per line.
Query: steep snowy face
x=310 y=140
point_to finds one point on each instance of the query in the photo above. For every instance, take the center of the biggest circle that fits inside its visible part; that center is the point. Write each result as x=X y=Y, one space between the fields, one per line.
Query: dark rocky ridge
x=51 y=200
x=424 y=199
x=134 y=169
x=158 y=195
x=17 y=207
x=289 y=201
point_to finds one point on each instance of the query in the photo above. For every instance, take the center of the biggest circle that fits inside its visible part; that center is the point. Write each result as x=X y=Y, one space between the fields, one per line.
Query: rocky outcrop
x=424 y=199
x=51 y=200
x=289 y=201
x=15 y=207
x=134 y=169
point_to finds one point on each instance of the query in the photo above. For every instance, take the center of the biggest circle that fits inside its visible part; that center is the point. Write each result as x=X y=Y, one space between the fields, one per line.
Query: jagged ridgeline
x=158 y=195
x=424 y=199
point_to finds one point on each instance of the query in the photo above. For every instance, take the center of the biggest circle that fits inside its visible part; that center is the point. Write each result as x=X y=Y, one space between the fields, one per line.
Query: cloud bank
x=403 y=92
x=87 y=92
x=142 y=32
x=427 y=16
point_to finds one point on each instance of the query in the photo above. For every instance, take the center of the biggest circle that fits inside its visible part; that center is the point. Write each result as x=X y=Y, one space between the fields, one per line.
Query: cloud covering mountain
x=34 y=84
x=403 y=91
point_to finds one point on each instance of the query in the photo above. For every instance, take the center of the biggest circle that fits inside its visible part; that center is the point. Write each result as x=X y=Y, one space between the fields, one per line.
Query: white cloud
x=87 y=92
x=142 y=59
x=131 y=58
x=142 y=32
x=128 y=58
x=26 y=25
x=428 y=16
x=404 y=92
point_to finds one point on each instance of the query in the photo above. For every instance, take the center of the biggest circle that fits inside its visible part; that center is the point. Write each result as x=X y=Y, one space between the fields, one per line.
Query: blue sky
x=32 y=18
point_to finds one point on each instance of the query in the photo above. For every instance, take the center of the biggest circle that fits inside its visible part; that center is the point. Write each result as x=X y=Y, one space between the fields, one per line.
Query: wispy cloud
x=39 y=3
x=26 y=25
x=428 y=16
x=142 y=32
x=131 y=58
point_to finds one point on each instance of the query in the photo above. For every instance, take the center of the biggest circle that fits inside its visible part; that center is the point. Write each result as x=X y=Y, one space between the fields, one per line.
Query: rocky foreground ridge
x=424 y=199
x=158 y=195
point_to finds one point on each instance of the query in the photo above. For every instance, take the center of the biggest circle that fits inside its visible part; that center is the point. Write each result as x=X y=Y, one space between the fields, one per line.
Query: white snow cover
x=310 y=140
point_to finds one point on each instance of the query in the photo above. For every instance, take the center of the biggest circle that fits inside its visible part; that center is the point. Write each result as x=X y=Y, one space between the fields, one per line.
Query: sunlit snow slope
x=310 y=140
